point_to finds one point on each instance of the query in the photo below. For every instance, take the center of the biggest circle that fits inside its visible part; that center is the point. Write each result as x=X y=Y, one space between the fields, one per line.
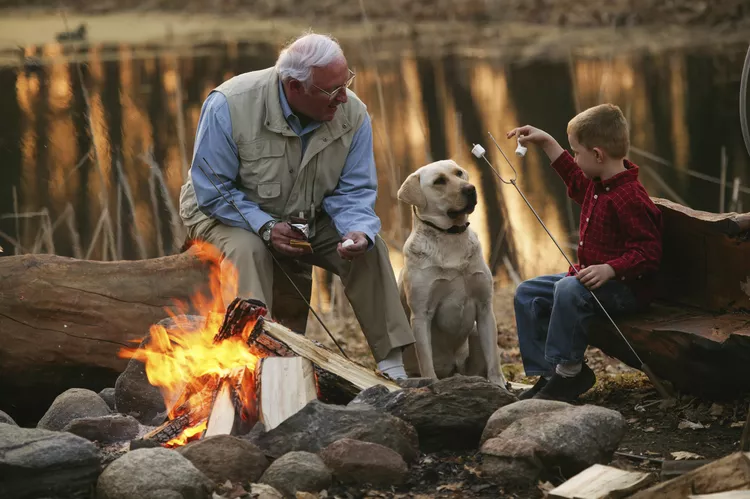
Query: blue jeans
x=553 y=314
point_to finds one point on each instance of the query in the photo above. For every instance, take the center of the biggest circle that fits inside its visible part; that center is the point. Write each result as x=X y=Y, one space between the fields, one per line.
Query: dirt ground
x=655 y=430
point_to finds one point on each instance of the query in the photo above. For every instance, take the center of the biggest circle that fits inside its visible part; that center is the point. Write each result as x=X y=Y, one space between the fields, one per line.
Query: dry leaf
x=649 y=429
x=451 y=487
x=633 y=420
x=738 y=424
x=689 y=425
x=682 y=455
x=652 y=453
x=1 y=249
x=473 y=471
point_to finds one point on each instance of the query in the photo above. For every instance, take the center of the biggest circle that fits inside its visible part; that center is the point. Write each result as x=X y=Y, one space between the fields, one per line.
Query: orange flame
x=186 y=363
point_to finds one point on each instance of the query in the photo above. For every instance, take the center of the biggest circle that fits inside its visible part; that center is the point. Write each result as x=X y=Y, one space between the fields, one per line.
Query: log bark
x=706 y=258
x=700 y=353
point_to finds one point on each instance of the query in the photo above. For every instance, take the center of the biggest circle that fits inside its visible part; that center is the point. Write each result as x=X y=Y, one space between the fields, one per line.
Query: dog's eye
x=440 y=180
x=459 y=173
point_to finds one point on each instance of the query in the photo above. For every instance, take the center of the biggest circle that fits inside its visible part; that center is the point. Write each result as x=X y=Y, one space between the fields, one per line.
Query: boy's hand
x=528 y=134
x=595 y=276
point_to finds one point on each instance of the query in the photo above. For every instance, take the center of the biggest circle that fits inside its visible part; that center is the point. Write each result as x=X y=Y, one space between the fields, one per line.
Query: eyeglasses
x=333 y=93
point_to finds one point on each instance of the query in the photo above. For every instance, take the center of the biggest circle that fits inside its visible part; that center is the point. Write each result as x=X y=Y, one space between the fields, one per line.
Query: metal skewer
x=479 y=151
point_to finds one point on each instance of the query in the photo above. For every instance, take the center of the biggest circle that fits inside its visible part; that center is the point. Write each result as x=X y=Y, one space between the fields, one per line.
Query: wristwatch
x=265 y=231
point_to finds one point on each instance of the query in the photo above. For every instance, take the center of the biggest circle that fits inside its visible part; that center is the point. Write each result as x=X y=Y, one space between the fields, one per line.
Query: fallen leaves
x=451 y=487
x=689 y=425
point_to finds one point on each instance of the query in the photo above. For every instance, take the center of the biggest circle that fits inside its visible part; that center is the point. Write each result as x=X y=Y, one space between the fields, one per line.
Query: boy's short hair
x=602 y=126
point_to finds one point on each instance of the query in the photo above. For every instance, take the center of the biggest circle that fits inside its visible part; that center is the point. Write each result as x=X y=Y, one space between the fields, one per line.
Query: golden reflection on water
x=138 y=104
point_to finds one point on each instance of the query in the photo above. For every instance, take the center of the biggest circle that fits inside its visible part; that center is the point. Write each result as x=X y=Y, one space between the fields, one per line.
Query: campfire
x=238 y=368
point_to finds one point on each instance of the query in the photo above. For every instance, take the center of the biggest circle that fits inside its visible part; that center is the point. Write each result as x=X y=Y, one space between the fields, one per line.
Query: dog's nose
x=470 y=192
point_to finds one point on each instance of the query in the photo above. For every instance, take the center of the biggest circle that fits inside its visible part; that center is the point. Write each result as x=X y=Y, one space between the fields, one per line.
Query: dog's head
x=441 y=193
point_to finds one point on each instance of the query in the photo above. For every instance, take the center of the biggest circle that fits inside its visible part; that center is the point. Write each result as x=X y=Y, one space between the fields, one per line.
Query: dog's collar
x=453 y=229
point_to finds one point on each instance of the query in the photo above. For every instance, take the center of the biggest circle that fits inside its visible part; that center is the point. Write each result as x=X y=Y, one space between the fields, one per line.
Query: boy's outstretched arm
x=641 y=222
x=562 y=161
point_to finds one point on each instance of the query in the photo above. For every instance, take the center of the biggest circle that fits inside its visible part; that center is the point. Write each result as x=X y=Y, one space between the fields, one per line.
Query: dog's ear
x=411 y=192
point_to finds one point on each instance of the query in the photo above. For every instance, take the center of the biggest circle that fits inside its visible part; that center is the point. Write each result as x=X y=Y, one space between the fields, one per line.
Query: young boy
x=619 y=252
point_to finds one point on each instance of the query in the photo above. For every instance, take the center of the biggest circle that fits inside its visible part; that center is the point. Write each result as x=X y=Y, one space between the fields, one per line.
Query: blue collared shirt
x=351 y=205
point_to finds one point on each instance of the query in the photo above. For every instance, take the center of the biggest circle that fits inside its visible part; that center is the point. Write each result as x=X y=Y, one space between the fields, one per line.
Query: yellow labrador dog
x=445 y=285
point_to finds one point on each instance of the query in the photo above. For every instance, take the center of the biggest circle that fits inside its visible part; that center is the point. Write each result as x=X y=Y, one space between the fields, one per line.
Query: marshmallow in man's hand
x=478 y=151
x=347 y=243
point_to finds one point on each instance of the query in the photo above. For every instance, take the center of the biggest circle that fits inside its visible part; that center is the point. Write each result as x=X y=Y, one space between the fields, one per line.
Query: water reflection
x=96 y=151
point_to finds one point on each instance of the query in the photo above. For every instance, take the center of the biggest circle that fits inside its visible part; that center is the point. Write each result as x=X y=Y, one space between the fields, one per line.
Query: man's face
x=318 y=101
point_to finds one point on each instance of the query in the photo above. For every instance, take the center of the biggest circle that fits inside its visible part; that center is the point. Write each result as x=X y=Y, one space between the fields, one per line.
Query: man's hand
x=281 y=234
x=357 y=249
x=595 y=276
x=528 y=134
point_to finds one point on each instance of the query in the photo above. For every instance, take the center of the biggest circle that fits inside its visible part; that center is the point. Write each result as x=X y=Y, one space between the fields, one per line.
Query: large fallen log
x=706 y=258
x=701 y=353
x=63 y=321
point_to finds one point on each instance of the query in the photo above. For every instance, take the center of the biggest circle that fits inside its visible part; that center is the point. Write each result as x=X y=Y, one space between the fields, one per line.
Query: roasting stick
x=479 y=152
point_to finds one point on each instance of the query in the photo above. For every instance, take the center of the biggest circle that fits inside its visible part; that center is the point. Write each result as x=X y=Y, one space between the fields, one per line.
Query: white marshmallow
x=478 y=151
x=347 y=243
x=520 y=150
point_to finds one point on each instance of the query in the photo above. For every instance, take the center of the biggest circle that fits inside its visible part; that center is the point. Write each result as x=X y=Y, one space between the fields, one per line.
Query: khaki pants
x=368 y=281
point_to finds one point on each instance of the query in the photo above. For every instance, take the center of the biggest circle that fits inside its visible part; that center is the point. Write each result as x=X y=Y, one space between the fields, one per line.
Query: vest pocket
x=261 y=160
x=269 y=190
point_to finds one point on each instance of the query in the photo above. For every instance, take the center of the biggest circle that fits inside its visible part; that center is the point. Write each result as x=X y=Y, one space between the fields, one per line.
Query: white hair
x=297 y=60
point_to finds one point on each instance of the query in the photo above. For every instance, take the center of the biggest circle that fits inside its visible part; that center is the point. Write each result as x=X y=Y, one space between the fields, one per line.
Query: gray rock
x=134 y=395
x=5 y=418
x=105 y=429
x=448 y=414
x=224 y=457
x=505 y=416
x=318 y=425
x=264 y=491
x=40 y=463
x=72 y=404
x=108 y=395
x=153 y=473
x=563 y=442
x=352 y=461
x=297 y=472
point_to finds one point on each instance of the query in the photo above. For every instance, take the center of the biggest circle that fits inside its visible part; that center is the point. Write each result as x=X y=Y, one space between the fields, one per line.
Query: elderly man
x=293 y=141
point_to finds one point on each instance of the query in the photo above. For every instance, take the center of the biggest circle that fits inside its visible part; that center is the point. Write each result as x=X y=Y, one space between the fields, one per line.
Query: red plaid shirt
x=620 y=225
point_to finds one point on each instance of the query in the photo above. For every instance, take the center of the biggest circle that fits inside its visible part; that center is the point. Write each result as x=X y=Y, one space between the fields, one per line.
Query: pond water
x=95 y=142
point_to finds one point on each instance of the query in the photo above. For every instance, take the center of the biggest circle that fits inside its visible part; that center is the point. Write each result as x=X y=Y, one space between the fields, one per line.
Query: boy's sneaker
x=529 y=393
x=568 y=389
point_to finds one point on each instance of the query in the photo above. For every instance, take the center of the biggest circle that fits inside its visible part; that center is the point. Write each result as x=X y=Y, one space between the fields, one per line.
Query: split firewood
x=729 y=473
x=222 y=417
x=234 y=410
x=285 y=385
x=602 y=482
x=267 y=332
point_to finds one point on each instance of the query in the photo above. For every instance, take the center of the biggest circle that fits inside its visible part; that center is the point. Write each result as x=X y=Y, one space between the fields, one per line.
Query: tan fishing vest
x=273 y=172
